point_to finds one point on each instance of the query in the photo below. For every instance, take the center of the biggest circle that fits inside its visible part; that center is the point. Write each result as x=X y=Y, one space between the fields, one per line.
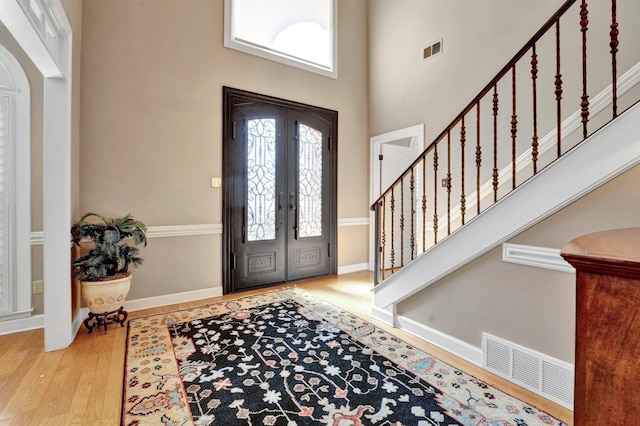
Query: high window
x=302 y=34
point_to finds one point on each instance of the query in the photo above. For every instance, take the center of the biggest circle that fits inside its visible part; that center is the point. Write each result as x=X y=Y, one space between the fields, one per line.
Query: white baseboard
x=22 y=324
x=450 y=344
x=385 y=315
x=347 y=269
x=171 y=299
x=77 y=320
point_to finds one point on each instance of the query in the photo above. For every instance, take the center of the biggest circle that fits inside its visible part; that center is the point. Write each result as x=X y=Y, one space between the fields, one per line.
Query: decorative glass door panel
x=261 y=179
x=279 y=193
x=309 y=182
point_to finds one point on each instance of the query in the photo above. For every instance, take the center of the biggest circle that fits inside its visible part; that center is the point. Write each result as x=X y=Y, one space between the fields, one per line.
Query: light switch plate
x=216 y=182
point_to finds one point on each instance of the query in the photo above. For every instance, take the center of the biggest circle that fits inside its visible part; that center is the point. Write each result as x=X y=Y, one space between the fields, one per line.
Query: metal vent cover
x=542 y=374
x=432 y=50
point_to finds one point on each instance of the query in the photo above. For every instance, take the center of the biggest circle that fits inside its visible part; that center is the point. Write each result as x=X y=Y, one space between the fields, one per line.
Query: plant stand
x=106 y=318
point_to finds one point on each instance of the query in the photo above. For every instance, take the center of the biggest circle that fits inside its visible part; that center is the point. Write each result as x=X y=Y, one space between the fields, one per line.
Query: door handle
x=280 y=206
x=292 y=208
x=292 y=201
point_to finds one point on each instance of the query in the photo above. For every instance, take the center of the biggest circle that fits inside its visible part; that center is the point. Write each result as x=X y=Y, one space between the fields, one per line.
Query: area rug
x=289 y=358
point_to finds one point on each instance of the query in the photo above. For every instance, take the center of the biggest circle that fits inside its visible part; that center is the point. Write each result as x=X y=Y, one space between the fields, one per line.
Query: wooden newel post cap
x=613 y=252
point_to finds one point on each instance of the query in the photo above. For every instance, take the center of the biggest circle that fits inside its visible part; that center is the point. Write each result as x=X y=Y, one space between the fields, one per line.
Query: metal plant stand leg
x=96 y=320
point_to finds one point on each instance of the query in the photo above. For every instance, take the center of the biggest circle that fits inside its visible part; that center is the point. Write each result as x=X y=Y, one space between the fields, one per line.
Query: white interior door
x=391 y=154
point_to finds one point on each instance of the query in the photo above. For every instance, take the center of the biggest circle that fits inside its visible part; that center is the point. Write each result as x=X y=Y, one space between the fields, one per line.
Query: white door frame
x=45 y=34
x=416 y=133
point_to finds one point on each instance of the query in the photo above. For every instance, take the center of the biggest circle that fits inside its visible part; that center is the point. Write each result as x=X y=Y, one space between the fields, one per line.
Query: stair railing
x=415 y=212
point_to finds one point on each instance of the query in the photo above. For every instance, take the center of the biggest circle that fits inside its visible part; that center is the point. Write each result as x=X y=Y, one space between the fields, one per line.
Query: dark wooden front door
x=280 y=191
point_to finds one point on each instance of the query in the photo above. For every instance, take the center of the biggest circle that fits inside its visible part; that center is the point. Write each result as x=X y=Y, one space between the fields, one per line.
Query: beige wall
x=152 y=76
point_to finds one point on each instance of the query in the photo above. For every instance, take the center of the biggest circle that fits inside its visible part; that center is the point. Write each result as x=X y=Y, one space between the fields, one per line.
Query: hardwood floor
x=82 y=385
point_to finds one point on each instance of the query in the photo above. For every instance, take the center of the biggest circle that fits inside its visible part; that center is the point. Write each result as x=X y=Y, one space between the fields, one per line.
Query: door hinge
x=380 y=157
x=234 y=262
x=233 y=130
x=329 y=250
x=329 y=143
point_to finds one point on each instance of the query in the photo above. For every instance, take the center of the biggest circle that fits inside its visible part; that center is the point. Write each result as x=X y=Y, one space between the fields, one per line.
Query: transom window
x=299 y=33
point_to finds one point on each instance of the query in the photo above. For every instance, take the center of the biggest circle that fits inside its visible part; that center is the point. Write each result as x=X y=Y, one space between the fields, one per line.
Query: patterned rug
x=288 y=358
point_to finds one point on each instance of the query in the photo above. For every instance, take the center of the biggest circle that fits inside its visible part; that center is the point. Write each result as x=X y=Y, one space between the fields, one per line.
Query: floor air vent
x=546 y=376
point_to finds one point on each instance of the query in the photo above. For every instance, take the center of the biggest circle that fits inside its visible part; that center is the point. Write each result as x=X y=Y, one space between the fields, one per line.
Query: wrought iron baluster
x=534 y=139
x=435 y=193
x=424 y=202
x=412 y=235
x=478 y=157
x=449 y=182
x=463 y=133
x=383 y=237
x=514 y=128
x=402 y=221
x=495 y=143
x=584 y=104
x=558 y=92
x=392 y=253
x=614 y=63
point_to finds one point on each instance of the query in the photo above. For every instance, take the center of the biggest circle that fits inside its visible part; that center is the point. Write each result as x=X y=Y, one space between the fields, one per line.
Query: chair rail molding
x=539 y=257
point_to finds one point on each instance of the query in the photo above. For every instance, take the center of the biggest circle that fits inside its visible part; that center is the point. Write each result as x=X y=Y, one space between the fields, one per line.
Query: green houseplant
x=104 y=270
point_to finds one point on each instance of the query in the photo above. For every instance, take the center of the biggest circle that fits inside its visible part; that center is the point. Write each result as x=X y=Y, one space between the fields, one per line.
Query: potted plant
x=104 y=270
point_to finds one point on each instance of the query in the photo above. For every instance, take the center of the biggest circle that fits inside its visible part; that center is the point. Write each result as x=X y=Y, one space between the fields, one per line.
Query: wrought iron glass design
x=261 y=179
x=309 y=181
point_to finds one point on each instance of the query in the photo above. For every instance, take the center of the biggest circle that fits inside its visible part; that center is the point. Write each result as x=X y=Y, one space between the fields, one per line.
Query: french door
x=280 y=191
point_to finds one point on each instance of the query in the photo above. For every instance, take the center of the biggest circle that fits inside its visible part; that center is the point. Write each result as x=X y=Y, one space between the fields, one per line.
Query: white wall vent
x=542 y=374
x=432 y=50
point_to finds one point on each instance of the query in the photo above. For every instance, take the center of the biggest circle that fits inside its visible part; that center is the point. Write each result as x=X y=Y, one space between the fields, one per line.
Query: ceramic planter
x=105 y=296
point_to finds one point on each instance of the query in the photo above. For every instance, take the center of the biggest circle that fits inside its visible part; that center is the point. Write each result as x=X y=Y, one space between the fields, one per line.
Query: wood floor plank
x=82 y=385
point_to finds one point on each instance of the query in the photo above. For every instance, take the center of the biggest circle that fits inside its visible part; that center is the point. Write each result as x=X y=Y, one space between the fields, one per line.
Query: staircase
x=508 y=160
x=615 y=148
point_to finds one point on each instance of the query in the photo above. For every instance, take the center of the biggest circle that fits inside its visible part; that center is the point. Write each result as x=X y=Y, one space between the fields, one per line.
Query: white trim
x=19 y=194
x=347 y=269
x=354 y=221
x=56 y=70
x=23 y=313
x=172 y=299
x=385 y=315
x=19 y=21
x=416 y=133
x=37 y=238
x=615 y=148
x=451 y=344
x=155 y=302
x=539 y=257
x=23 y=324
x=76 y=324
x=232 y=42
x=183 y=230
